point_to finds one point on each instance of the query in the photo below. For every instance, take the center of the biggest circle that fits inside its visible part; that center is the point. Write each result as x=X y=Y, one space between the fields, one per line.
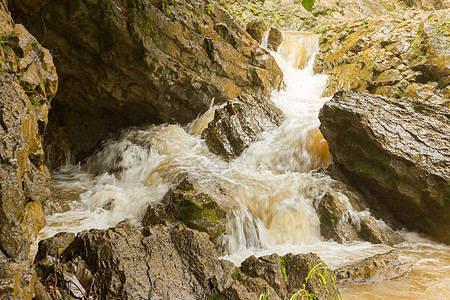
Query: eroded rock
x=377 y=268
x=396 y=55
x=28 y=82
x=395 y=151
x=256 y=29
x=237 y=124
x=175 y=262
x=290 y=273
x=124 y=63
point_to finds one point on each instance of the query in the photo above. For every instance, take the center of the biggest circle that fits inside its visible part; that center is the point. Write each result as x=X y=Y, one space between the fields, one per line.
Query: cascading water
x=269 y=190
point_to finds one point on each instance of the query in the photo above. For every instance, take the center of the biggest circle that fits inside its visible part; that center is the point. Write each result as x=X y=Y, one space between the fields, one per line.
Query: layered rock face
x=166 y=262
x=396 y=152
x=396 y=55
x=130 y=62
x=28 y=82
x=238 y=123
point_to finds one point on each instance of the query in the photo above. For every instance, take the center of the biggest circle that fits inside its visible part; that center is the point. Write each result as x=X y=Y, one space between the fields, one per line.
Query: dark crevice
x=2 y=123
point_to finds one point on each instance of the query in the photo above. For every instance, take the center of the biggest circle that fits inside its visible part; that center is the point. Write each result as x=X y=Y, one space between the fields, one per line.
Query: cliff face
x=28 y=82
x=123 y=63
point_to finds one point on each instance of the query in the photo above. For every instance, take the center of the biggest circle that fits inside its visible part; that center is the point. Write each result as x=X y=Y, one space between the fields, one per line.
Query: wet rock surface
x=396 y=55
x=169 y=262
x=291 y=273
x=377 y=268
x=28 y=82
x=344 y=218
x=395 y=151
x=130 y=62
x=256 y=29
x=188 y=205
x=238 y=122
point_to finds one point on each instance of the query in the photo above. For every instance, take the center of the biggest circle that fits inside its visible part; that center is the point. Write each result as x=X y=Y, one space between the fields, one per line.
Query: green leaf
x=308 y=4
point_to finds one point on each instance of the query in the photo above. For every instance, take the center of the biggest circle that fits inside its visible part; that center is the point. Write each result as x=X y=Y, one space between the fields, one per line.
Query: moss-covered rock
x=305 y=274
x=188 y=205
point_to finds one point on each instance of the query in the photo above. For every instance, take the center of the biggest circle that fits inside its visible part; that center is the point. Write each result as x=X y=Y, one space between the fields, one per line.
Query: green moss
x=284 y=261
x=283 y=270
x=236 y=274
x=214 y=297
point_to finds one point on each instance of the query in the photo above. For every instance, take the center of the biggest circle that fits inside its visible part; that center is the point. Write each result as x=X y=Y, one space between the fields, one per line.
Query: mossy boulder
x=190 y=206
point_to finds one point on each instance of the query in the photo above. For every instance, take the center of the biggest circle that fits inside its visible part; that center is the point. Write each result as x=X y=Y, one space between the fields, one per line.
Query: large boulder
x=238 y=122
x=28 y=82
x=396 y=55
x=186 y=204
x=172 y=262
x=395 y=151
x=130 y=62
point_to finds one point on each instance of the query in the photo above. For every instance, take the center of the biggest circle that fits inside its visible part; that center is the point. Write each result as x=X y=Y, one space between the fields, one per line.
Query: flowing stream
x=269 y=191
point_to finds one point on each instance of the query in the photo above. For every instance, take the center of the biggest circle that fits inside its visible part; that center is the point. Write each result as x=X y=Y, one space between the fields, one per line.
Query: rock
x=188 y=205
x=28 y=82
x=395 y=55
x=374 y=269
x=257 y=29
x=291 y=273
x=345 y=218
x=17 y=279
x=238 y=123
x=428 y=4
x=396 y=153
x=275 y=39
x=133 y=62
x=291 y=16
x=175 y=262
x=335 y=223
x=377 y=232
x=54 y=246
x=268 y=268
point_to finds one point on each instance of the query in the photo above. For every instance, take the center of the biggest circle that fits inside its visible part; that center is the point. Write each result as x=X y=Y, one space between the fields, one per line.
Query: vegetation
x=308 y=4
